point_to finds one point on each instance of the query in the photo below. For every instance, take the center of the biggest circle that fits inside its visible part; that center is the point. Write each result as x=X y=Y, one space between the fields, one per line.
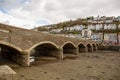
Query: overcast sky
x=31 y=13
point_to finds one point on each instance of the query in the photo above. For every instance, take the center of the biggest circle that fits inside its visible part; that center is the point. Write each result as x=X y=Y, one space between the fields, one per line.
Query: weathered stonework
x=28 y=42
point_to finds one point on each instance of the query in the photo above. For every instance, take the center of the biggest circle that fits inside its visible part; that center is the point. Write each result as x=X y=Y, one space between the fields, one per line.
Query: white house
x=118 y=18
x=110 y=38
x=86 y=34
x=58 y=30
x=91 y=27
x=74 y=28
x=119 y=26
x=110 y=26
x=99 y=26
x=97 y=37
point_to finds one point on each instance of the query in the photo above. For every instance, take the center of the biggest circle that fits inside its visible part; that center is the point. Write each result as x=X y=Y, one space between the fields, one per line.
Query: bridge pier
x=89 y=48
x=86 y=50
x=92 y=49
x=57 y=53
x=76 y=50
x=25 y=58
x=20 y=57
x=71 y=51
x=60 y=54
x=82 y=48
x=96 y=48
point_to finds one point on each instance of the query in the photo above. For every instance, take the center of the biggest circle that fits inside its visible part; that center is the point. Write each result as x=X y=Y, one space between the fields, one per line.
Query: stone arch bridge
x=19 y=44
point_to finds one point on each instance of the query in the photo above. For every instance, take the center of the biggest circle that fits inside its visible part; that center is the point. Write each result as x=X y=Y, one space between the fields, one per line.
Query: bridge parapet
x=25 y=41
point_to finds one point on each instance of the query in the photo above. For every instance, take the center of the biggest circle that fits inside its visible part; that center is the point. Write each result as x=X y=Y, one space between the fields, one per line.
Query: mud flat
x=103 y=65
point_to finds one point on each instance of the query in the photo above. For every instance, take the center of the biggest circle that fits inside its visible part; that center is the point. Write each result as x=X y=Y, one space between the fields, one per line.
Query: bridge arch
x=69 y=48
x=82 y=47
x=94 y=47
x=44 y=49
x=43 y=42
x=10 y=52
x=97 y=45
x=89 y=48
x=10 y=45
x=68 y=42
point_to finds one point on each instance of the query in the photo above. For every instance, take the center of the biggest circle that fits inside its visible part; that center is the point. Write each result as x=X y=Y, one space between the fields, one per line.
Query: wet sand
x=103 y=65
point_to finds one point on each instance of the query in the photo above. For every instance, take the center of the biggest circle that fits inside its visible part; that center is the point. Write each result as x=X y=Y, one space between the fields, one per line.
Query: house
x=117 y=19
x=58 y=30
x=96 y=37
x=110 y=26
x=74 y=28
x=99 y=26
x=110 y=39
x=119 y=26
x=109 y=19
x=86 y=34
x=91 y=27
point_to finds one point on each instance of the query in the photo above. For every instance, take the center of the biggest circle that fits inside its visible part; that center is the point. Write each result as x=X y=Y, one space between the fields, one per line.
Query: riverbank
x=103 y=65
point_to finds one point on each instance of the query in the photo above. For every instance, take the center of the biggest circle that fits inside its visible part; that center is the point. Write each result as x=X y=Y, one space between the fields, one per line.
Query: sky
x=32 y=13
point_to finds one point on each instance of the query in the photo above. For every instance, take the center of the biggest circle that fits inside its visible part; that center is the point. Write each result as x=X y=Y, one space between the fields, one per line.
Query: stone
x=6 y=73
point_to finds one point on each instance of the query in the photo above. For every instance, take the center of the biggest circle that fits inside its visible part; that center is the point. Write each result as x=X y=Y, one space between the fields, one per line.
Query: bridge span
x=19 y=44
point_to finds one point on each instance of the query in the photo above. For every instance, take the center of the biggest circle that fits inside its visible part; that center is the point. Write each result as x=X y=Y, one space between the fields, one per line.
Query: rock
x=21 y=75
x=6 y=73
x=57 y=78
x=45 y=72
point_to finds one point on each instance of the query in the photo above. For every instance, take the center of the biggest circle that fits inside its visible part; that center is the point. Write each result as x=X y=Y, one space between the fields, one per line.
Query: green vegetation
x=71 y=32
x=107 y=31
x=71 y=23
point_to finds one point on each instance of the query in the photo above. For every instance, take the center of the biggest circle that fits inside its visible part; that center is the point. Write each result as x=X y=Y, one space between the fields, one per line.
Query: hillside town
x=76 y=47
x=59 y=40
x=101 y=29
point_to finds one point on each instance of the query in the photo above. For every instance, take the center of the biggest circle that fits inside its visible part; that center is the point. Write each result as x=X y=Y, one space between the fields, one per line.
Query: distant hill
x=62 y=24
x=79 y=21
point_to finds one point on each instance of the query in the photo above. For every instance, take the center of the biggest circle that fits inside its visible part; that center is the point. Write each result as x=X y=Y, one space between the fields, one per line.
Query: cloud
x=8 y=19
x=9 y=4
x=86 y=8
x=41 y=12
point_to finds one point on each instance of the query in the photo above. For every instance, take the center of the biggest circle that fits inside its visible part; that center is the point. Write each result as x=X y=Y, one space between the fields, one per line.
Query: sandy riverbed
x=103 y=65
